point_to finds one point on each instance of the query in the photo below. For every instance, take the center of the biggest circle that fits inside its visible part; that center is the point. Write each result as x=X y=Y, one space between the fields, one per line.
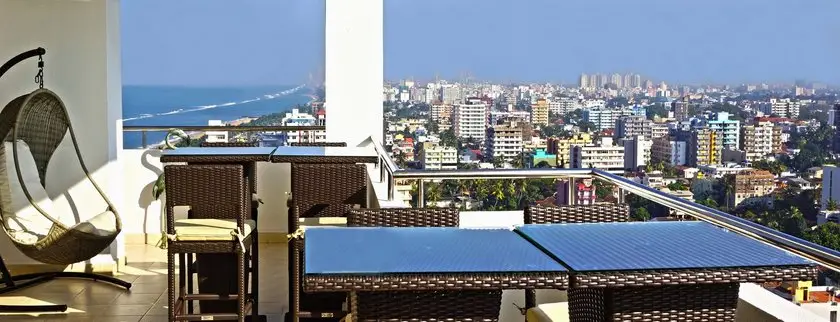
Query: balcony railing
x=144 y=130
x=827 y=257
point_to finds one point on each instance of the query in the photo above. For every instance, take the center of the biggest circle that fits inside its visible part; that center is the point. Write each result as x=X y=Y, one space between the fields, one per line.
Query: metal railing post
x=570 y=191
x=421 y=198
x=143 y=141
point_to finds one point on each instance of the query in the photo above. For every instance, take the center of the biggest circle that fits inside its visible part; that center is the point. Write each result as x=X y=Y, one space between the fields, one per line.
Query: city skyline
x=265 y=42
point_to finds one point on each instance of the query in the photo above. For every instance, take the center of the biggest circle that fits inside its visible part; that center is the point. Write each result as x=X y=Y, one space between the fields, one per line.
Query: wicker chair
x=537 y=214
x=32 y=128
x=219 y=224
x=320 y=191
x=420 y=305
x=211 y=275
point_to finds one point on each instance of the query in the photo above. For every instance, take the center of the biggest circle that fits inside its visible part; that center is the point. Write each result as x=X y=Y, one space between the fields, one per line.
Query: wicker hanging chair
x=32 y=127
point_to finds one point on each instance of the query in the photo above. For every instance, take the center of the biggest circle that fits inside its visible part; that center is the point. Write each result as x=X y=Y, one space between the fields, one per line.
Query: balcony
x=127 y=175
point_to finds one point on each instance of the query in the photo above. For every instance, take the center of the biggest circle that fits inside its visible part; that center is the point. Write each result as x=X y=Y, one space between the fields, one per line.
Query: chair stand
x=14 y=283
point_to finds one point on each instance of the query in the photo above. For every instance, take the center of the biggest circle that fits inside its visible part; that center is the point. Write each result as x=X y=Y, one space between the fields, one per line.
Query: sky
x=271 y=42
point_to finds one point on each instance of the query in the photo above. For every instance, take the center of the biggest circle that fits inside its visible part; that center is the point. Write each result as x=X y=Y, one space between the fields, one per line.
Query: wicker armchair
x=537 y=214
x=320 y=191
x=219 y=223
x=421 y=305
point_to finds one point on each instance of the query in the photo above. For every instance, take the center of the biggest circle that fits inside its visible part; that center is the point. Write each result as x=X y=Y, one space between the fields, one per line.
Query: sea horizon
x=163 y=105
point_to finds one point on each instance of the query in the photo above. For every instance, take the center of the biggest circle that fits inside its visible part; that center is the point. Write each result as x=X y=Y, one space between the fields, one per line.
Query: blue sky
x=260 y=42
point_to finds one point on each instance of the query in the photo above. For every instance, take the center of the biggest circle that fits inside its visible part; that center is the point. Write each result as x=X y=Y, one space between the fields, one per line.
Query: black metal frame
x=14 y=283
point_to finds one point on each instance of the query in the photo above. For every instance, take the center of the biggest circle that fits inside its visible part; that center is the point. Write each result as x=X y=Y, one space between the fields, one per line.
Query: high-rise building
x=836 y=123
x=603 y=80
x=728 y=130
x=450 y=94
x=605 y=118
x=470 y=119
x=637 y=80
x=504 y=141
x=584 y=81
x=627 y=82
x=760 y=139
x=701 y=146
x=668 y=150
x=633 y=125
x=784 y=107
x=563 y=105
x=680 y=109
x=615 y=79
x=658 y=130
x=562 y=146
x=539 y=112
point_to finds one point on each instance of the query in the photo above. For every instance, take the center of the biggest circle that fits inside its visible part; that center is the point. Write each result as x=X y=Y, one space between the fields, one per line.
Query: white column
x=354 y=70
x=83 y=68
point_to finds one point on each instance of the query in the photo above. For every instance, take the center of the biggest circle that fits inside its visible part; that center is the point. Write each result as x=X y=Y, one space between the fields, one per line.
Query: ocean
x=174 y=106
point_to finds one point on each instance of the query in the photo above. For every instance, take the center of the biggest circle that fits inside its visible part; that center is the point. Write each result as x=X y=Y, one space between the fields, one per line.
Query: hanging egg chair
x=32 y=127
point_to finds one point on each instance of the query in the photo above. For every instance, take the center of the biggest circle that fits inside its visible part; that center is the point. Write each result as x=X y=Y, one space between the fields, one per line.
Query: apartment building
x=504 y=141
x=702 y=146
x=436 y=157
x=441 y=112
x=539 y=112
x=752 y=187
x=761 y=139
x=563 y=105
x=637 y=151
x=562 y=147
x=470 y=119
x=296 y=118
x=783 y=107
x=604 y=155
x=728 y=130
x=450 y=94
x=605 y=118
x=633 y=125
x=583 y=192
x=680 y=108
x=658 y=130
x=668 y=150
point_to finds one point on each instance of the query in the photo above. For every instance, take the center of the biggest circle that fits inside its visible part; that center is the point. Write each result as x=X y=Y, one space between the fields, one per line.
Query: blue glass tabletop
x=653 y=245
x=394 y=250
x=320 y=151
x=220 y=151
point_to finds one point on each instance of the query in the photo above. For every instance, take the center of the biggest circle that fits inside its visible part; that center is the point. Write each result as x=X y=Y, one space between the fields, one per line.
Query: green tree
x=448 y=138
x=640 y=214
x=831 y=205
x=677 y=186
x=827 y=235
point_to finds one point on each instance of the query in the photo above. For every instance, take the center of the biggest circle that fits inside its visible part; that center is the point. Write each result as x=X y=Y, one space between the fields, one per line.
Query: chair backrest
x=210 y=191
x=229 y=144
x=404 y=217
x=330 y=144
x=537 y=214
x=326 y=190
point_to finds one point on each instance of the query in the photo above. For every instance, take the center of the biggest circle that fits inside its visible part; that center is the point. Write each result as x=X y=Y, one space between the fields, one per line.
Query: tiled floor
x=146 y=301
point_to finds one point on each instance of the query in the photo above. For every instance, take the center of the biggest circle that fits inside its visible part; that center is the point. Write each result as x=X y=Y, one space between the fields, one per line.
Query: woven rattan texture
x=213 y=159
x=217 y=191
x=312 y=159
x=325 y=144
x=571 y=214
x=250 y=167
x=324 y=190
x=439 y=282
x=427 y=306
x=694 y=276
x=576 y=214
x=403 y=217
x=709 y=302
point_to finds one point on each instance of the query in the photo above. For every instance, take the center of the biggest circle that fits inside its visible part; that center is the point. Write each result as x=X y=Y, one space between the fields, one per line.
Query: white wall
x=354 y=61
x=83 y=68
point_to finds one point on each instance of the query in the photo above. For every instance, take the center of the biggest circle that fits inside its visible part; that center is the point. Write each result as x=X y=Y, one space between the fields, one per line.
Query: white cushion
x=104 y=224
x=209 y=229
x=25 y=223
x=549 y=312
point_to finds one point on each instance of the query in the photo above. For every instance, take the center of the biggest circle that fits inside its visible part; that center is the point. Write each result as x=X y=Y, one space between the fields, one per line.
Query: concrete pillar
x=82 y=39
x=354 y=70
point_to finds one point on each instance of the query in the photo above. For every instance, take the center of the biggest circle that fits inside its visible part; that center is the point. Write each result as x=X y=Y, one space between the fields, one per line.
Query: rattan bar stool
x=322 y=194
x=570 y=214
x=218 y=200
x=426 y=305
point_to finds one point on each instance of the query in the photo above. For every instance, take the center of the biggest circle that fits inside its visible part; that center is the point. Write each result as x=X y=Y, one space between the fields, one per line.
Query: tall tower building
x=616 y=79
x=584 y=81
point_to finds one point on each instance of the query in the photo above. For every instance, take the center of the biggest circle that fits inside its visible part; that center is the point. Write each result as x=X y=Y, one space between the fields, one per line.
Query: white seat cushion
x=549 y=312
x=209 y=229
x=25 y=223
x=104 y=224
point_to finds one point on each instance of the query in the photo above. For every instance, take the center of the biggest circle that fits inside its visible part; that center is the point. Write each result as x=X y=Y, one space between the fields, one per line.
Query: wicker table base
x=702 y=302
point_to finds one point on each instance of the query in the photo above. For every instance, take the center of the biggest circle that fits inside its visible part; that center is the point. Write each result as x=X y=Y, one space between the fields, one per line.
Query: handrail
x=824 y=256
x=241 y=128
